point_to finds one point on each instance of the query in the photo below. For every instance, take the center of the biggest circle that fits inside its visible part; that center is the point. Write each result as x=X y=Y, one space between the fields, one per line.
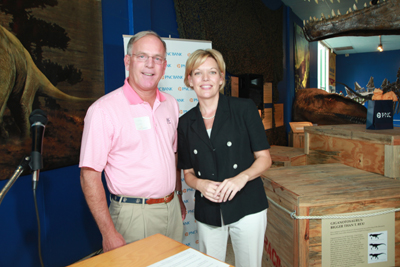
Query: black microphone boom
x=38 y=121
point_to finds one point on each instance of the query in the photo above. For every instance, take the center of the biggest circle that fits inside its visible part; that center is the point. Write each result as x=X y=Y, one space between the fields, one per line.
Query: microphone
x=38 y=121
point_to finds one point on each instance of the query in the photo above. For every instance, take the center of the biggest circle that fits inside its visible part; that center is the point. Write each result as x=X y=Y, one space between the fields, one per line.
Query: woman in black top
x=223 y=149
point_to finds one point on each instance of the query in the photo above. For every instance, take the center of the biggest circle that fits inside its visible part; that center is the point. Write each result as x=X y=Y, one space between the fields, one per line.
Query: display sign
x=359 y=241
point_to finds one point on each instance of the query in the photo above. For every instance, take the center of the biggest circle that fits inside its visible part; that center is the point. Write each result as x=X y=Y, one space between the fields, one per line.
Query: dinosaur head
x=319 y=107
x=380 y=19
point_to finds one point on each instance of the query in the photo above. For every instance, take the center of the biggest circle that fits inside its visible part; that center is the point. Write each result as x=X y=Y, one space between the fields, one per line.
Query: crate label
x=359 y=241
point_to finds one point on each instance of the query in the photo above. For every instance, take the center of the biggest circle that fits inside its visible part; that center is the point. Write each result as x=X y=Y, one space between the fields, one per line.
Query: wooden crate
x=318 y=190
x=296 y=140
x=284 y=156
x=375 y=151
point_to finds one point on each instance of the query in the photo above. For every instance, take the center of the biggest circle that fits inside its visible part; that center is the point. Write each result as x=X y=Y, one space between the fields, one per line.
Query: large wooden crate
x=318 y=190
x=375 y=151
x=284 y=156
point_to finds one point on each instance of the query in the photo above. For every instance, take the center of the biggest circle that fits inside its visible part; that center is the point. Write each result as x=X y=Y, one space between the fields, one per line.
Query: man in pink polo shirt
x=130 y=134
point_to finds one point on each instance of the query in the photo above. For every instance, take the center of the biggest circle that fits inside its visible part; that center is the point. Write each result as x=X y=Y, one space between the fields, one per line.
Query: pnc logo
x=173 y=77
x=165 y=89
x=181 y=66
x=193 y=232
x=188 y=54
x=174 y=54
x=193 y=100
x=383 y=115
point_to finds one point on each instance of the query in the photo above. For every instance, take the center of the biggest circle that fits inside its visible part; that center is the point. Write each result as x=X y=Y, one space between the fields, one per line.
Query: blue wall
x=69 y=232
x=360 y=67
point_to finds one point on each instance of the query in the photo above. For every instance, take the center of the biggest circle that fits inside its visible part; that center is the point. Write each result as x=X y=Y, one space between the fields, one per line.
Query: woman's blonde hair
x=198 y=57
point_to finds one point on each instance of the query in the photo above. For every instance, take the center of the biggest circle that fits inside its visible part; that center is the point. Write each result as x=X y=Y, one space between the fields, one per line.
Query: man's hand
x=113 y=241
x=183 y=207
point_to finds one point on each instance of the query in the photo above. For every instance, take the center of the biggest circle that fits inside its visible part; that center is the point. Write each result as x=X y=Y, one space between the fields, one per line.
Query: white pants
x=247 y=236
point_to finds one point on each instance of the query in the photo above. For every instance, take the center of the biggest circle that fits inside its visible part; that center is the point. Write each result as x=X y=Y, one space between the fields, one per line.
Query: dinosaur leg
x=7 y=78
x=28 y=95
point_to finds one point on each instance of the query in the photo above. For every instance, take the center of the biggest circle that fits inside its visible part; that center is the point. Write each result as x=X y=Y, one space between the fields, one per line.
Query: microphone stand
x=20 y=169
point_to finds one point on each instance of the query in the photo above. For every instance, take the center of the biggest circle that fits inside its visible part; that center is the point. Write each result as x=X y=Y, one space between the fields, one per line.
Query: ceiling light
x=380 y=47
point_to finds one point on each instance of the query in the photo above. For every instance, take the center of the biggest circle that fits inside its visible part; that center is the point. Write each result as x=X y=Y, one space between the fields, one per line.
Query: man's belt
x=139 y=200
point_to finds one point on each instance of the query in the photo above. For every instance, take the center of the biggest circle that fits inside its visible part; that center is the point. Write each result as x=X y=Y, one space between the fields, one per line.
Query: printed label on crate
x=359 y=241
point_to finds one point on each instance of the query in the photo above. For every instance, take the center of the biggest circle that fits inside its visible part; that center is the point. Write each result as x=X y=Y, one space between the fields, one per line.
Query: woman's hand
x=208 y=189
x=229 y=187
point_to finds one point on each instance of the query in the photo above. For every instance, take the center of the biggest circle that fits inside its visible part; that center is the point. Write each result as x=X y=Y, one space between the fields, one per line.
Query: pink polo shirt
x=134 y=144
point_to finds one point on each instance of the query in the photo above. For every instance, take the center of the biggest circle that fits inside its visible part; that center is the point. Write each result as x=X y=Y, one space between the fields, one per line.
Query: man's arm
x=178 y=188
x=95 y=196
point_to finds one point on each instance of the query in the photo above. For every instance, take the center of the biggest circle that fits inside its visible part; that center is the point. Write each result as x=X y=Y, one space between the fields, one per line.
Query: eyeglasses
x=144 y=57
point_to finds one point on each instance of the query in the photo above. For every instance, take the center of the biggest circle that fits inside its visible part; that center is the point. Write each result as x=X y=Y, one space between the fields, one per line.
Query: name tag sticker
x=142 y=123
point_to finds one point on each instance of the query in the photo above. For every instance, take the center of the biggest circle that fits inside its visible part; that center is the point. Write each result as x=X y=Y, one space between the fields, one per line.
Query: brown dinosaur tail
x=45 y=87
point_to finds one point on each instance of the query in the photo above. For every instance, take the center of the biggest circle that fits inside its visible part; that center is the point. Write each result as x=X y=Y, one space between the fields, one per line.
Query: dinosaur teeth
x=322 y=16
x=350 y=10
x=304 y=22
x=338 y=1
x=354 y=7
x=316 y=1
x=338 y=12
x=333 y=13
x=357 y=1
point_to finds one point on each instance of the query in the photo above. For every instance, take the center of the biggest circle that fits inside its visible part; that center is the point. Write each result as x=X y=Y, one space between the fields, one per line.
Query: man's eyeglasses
x=144 y=57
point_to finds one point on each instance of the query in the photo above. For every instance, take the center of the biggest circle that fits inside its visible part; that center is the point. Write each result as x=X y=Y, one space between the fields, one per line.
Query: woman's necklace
x=208 y=117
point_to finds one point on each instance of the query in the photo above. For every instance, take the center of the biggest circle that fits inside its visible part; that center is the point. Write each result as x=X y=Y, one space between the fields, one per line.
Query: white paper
x=189 y=258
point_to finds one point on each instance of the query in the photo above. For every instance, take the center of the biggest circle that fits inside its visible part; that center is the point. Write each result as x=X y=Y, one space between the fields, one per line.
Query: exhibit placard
x=359 y=241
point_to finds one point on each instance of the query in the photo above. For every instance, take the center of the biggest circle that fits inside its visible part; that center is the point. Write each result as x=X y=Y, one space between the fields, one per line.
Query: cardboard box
x=320 y=190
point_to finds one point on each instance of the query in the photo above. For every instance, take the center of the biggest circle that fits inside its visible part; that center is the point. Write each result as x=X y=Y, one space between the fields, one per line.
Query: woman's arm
x=229 y=187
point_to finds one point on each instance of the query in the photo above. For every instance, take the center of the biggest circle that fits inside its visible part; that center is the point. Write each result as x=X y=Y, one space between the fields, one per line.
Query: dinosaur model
x=20 y=81
x=388 y=91
x=382 y=18
x=322 y=108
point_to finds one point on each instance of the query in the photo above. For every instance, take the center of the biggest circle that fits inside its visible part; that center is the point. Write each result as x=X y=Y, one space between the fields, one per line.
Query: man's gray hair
x=140 y=35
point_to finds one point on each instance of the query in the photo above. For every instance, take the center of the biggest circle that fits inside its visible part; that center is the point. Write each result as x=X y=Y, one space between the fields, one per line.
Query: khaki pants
x=137 y=221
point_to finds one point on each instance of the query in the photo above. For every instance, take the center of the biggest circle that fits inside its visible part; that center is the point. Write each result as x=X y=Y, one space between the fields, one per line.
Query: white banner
x=178 y=51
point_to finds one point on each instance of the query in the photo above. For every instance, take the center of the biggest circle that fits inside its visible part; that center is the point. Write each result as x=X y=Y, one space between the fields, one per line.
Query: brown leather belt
x=138 y=200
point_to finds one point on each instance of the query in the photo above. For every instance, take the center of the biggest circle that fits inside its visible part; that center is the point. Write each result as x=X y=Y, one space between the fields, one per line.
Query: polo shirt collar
x=134 y=98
